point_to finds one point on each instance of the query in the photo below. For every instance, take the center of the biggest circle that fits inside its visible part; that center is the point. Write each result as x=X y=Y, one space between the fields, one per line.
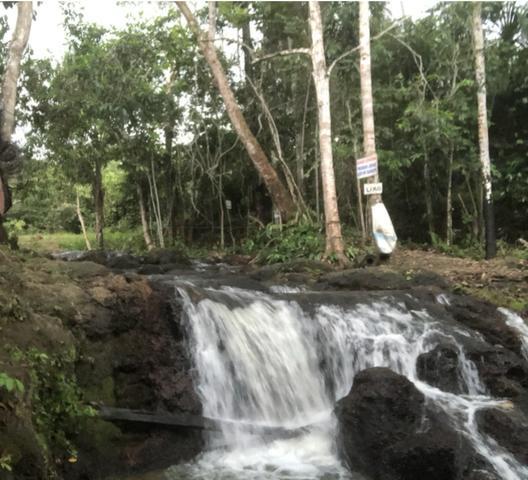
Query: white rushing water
x=263 y=361
x=517 y=323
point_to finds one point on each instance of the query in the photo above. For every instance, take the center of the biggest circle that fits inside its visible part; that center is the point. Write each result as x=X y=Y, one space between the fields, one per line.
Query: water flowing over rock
x=285 y=360
x=388 y=432
x=440 y=368
x=435 y=383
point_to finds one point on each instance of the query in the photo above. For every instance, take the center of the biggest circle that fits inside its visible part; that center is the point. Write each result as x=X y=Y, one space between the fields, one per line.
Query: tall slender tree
x=485 y=163
x=9 y=95
x=367 y=104
x=12 y=72
x=281 y=199
x=334 y=238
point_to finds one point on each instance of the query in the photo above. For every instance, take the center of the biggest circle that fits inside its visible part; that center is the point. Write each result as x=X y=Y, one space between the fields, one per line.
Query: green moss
x=103 y=392
x=499 y=297
x=99 y=435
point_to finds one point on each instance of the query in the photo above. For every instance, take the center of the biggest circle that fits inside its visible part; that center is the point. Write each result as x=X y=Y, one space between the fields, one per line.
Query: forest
x=264 y=241
x=129 y=133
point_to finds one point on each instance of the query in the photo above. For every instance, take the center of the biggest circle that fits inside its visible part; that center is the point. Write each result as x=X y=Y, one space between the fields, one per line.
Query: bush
x=56 y=399
x=278 y=244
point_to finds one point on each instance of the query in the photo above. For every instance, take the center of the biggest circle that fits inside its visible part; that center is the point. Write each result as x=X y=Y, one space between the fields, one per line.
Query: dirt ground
x=503 y=280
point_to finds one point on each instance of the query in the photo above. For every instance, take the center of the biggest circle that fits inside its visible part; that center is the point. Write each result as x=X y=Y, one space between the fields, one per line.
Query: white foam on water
x=515 y=321
x=266 y=362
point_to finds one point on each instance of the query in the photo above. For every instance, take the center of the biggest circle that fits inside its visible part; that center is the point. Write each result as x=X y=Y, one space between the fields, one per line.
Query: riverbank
x=80 y=334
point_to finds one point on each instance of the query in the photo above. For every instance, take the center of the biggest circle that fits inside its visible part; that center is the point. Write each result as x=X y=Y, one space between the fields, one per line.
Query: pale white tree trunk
x=334 y=239
x=83 y=226
x=144 y=221
x=16 y=49
x=480 y=74
x=367 y=106
x=212 y=21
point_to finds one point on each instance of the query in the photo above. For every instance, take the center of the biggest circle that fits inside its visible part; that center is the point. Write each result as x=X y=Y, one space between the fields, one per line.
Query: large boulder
x=503 y=372
x=439 y=368
x=134 y=356
x=388 y=432
x=379 y=278
x=508 y=427
x=486 y=319
x=160 y=256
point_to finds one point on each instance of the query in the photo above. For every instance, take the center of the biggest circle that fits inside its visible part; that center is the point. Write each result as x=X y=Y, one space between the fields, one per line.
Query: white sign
x=373 y=188
x=367 y=166
x=229 y=205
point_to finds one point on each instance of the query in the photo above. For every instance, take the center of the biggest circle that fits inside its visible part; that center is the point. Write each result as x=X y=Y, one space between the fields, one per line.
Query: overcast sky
x=47 y=33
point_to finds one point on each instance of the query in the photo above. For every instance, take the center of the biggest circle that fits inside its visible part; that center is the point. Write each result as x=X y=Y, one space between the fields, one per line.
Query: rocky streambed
x=121 y=324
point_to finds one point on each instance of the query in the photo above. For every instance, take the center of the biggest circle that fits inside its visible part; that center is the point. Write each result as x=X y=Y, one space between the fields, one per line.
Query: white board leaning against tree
x=382 y=229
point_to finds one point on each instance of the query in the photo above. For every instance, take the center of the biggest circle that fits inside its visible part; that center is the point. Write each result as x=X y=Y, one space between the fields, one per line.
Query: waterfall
x=269 y=360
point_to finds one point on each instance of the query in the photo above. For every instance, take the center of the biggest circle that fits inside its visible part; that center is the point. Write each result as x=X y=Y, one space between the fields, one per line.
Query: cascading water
x=266 y=361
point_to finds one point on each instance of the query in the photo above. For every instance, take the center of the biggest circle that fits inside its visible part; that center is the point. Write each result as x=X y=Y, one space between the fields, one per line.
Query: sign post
x=367 y=166
x=373 y=188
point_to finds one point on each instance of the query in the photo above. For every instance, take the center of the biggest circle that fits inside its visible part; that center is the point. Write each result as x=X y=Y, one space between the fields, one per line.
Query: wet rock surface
x=439 y=367
x=388 y=432
x=132 y=353
x=508 y=426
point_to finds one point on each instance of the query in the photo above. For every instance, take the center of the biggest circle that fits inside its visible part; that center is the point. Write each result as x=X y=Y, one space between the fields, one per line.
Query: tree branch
x=282 y=53
x=351 y=51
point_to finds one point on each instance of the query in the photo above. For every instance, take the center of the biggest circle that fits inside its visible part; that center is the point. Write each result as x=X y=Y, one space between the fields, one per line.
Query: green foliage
x=6 y=462
x=11 y=384
x=56 y=399
x=140 y=103
x=278 y=244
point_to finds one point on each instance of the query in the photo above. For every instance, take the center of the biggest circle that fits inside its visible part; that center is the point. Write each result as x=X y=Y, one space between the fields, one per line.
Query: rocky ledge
x=118 y=341
x=389 y=432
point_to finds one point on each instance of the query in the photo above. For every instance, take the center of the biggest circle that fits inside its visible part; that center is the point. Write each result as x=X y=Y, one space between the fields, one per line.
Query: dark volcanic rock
x=124 y=261
x=159 y=256
x=439 y=368
x=159 y=269
x=365 y=279
x=277 y=272
x=504 y=373
x=485 y=318
x=379 y=278
x=133 y=355
x=387 y=432
x=509 y=428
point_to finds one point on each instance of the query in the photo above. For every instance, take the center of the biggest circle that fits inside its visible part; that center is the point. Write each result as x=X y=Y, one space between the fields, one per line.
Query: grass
x=131 y=240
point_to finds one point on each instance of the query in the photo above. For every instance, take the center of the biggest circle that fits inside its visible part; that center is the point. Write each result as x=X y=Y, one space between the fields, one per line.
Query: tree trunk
x=98 y=193
x=358 y=181
x=170 y=174
x=247 y=45
x=156 y=208
x=480 y=74
x=449 y=198
x=359 y=197
x=367 y=107
x=334 y=239
x=144 y=221
x=83 y=226
x=12 y=70
x=9 y=86
x=428 y=194
x=279 y=195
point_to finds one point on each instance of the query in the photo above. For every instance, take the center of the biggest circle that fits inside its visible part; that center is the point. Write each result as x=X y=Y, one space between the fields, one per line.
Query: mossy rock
x=160 y=256
x=101 y=393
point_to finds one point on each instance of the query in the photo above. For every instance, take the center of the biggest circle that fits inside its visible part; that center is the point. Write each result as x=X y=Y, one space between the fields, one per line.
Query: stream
x=284 y=356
